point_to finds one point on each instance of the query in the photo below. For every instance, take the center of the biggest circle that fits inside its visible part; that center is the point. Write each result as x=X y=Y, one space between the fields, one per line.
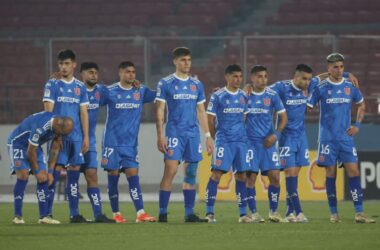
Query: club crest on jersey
x=193 y=88
x=18 y=163
x=104 y=161
x=218 y=162
x=321 y=158
x=170 y=152
x=77 y=91
x=242 y=100
x=347 y=90
x=136 y=96
x=97 y=95
x=266 y=101
x=283 y=162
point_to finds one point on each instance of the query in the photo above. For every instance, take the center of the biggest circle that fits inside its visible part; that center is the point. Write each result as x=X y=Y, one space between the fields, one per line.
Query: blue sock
x=189 y=197
x=72 y=189
x=135 y=192
x=331 y=194
x=18 y=195
x=164 y=197
x=211 y=191
x=273 y=196
x=241 y=195
x=356 y=193
x=251 y=199
x=51 y=192
x=289 y=203
x=293 y=193
x=42 y=197
x=113 y=192
x=96 y=203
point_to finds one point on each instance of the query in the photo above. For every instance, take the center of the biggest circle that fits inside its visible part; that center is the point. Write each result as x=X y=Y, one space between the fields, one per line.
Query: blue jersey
x=260 y=113
x=124 y=107
x=229 y=109
x=294 y=99
x=36 y=129
x=335 y=101
x=67 y=98
x=96 y=99
x=182 y=97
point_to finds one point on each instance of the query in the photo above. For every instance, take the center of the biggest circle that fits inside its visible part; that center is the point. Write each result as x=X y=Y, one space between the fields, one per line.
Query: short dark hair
x=232 y=68
x=258 y=68
x=304 y=68
x=66 y=54
x=335 y=57
x=126 y=64
x=88 y=65
x=181 y=51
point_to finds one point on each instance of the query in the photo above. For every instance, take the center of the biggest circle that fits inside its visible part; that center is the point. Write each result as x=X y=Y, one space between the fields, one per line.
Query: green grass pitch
x=225 y=234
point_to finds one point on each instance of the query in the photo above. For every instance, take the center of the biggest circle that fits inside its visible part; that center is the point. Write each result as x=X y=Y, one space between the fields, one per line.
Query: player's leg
x=348 y=156
x=174 y=155
x=18 y=194
x=72 y=187
x=192 y=155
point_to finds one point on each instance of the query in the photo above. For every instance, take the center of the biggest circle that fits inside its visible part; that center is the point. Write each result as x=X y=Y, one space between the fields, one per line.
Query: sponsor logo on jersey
x=127 y=105
x=347 y=90
x=295 y=102
x=184 y=97
x=266 y=101
x=93 y=106
x=77 y=91
x=258 y=111
x=67 y=99
x=136 y=96
x=233 y=110
x=337 y=100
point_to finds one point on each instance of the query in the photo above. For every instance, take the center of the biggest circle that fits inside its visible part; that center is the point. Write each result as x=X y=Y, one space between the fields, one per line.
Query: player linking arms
x=184 y=97
x=335 y=96
x=25 y=151
x=226 y=115
x=124 y=101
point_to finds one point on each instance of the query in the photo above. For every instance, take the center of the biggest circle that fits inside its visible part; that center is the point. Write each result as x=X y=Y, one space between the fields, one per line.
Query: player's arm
x=211 y=124
x=149 y=95
x=48 y=106
x=348 y=75
x=203 y=121
x=32 y=157
x=56 y=146
x=354 y=129
x=160 y=119
x=49 y=96
x=85 y=127
x=271 y=139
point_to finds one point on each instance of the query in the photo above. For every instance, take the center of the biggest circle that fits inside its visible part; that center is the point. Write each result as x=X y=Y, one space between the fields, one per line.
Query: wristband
x=36 y=171
x=208 y=134
x=357 y=124
x=50 y=171
x=277 y=134
x=346 y=74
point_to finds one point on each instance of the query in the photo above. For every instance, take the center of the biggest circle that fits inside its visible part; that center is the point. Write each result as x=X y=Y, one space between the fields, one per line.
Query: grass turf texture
x=319 y=233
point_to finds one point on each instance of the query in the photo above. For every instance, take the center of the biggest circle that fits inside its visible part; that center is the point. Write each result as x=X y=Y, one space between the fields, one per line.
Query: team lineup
x=257 y=129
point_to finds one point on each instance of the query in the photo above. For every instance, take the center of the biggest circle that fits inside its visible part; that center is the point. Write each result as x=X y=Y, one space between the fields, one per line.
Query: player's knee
x=241 y=177
x=216 y=175
x=191 y=173
x=91 y=178
x=22 y=175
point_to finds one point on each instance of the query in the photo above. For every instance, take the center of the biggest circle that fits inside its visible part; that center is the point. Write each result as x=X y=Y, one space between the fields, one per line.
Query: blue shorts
x=90 y=160
x=119 y=158
x=71 y=154
x=262 y=159
x=294 y=151
x=227 y=154
x=332 y=152
x=19 y=158
x=184 y=148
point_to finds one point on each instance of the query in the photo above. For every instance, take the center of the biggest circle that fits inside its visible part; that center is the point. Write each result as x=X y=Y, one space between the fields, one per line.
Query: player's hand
x=162 y=145
x=354 y=80
x=56 y=75
x=50 y=179
x=352 y=131
x=136 y=84
x=270 y=140
x=215 y=89
x=248 y=89
x=209 y=145
x=85 y=145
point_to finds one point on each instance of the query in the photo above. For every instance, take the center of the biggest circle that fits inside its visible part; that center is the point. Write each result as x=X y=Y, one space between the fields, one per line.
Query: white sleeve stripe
x=211 y=113
x=84 y=103
x=203 y=101
x=309 y=105
x=361 y=100
x=159 y=99
x=281 y=111
x=33 y=143
x=246 y=112
x=47 y=100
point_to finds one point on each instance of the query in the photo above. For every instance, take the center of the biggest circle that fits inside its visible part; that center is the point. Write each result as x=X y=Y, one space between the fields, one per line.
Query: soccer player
x=119 y=150
x=67 y=97
x=226 y=115
x=184 y=98
x=293 y=146
x=262 y=138
x=89 y=74
x=26 y=154
x=335 y=96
